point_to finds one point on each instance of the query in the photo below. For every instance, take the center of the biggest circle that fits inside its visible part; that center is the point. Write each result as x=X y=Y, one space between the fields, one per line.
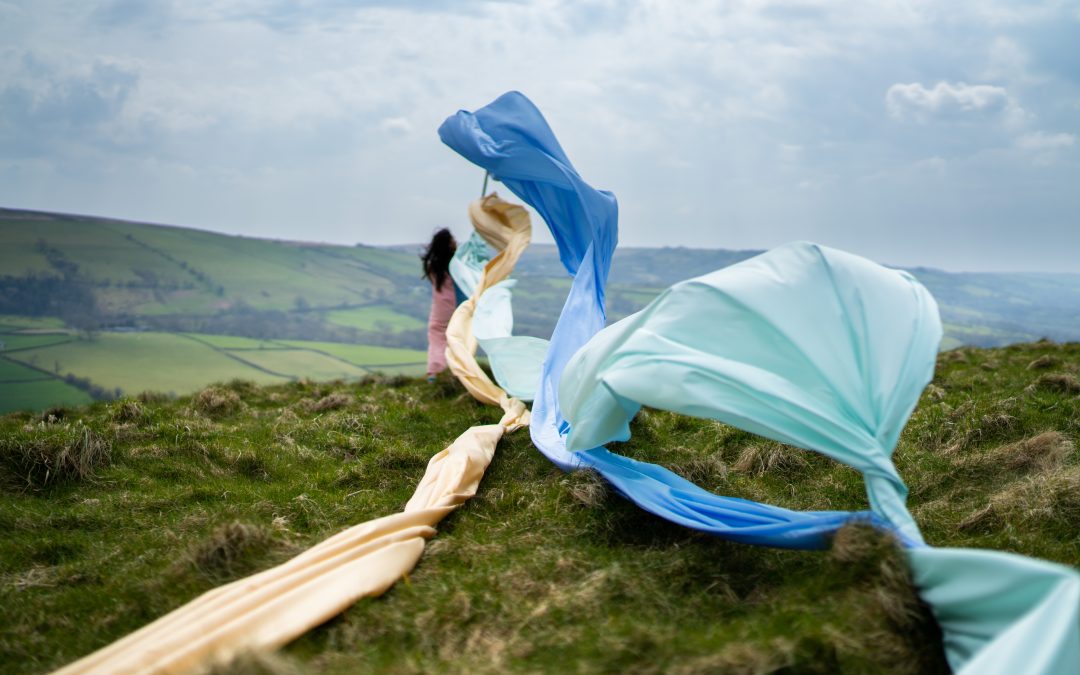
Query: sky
x=944 y=134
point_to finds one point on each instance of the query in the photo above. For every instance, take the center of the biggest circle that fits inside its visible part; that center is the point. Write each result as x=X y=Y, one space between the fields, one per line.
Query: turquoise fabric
x=804 y=344
x=1001 y=613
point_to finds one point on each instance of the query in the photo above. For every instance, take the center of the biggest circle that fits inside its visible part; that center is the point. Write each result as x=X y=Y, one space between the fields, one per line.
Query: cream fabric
x=507 y=229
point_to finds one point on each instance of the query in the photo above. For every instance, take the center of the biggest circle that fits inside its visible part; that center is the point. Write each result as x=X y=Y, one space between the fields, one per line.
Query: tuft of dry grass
x=126 y=411
x=43 y=454
x=216 y=402
x=765 y=457
x=1043 y=362
x=1064 y=383
x=332 y=401
x=705 y=470
x=231 y=549
x=587 y=488
x=153 y=397
x=1037 y=500
x=1044 y=452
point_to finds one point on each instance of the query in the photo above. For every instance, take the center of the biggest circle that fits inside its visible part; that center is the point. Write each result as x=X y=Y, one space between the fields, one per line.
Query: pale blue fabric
x=804 y=344
x=515 y=360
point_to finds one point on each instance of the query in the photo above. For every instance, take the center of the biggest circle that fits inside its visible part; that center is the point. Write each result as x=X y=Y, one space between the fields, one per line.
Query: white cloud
x=945 y=100
x=1042 y=141
x=396 y=126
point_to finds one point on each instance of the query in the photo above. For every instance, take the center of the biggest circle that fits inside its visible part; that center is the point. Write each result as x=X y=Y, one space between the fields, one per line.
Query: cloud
x=50 y=108
x=1042 y=141
x=945 y=101
x=396 y=126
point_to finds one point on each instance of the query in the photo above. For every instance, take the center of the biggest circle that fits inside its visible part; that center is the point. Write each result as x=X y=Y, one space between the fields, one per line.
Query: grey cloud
x=49 y=109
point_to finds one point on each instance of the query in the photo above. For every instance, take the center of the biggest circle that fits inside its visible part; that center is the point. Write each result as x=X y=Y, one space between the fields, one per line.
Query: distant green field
x=179 y=363
x=10 y=322
x=233 y=341
x=300 y=363
x=136 y=362
x=40 y=395
x=13 y=341
x=374 y=318
x=9 y=370
x=364 y=355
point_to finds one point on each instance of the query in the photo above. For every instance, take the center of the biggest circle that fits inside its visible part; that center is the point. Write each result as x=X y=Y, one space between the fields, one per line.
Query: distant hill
x=94 y=308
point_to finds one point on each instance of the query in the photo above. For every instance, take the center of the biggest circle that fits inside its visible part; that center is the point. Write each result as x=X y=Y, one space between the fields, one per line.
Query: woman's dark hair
x=437 y=256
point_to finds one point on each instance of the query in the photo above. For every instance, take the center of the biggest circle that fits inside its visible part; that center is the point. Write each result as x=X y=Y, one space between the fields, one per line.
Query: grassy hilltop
x=117 y=512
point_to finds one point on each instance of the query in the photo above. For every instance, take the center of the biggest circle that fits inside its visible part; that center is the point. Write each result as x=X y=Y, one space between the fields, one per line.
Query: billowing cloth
x=511 y=139
x=804 y=344
x=443 y=303
x=501 y=227
x=267 y=610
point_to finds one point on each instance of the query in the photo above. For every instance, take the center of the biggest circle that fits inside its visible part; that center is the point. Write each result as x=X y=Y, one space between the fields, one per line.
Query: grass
x=542 y=571
x=363 y=355
x=136 y=362
x=11 y=322
x=40 y=395
x=12 y=371
x=303 y=363
x=14 y=341
x=233 y=341
x=179 y=363
x=375 y=318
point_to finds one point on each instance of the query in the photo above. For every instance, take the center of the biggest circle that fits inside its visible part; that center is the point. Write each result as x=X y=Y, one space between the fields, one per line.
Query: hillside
x=105 y=272
x=92 y=308
x=118 y=512
x=44 y=364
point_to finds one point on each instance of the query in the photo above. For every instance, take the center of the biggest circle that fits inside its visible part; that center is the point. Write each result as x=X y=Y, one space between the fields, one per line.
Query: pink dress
x=443 y=303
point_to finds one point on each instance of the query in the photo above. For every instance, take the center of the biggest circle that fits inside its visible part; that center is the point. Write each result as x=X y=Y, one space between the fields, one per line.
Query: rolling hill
x=96 y=307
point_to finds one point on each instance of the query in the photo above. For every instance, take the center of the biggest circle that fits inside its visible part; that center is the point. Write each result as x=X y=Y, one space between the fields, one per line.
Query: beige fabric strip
x=269 y=609
x=506 y=227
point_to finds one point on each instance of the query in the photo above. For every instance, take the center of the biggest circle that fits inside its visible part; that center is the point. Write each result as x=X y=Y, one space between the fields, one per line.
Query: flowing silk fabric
x=804 y=344
x=515 y=360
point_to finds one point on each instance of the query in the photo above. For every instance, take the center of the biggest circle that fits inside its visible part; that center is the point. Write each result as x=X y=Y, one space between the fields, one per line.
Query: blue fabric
x=803 y=344
x=512 y=140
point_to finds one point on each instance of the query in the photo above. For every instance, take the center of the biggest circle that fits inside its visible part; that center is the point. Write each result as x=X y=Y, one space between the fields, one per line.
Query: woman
x=436 y=260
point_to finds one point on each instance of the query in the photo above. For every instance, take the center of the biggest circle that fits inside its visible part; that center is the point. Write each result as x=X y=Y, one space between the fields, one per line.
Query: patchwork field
x=378 y=317
x=58 y=368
